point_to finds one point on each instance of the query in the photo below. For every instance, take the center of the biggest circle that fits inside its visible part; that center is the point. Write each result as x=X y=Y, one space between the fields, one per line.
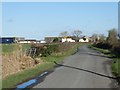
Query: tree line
x=111 y=42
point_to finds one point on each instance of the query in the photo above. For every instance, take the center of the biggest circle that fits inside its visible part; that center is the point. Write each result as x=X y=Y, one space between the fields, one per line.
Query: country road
x=85 y=58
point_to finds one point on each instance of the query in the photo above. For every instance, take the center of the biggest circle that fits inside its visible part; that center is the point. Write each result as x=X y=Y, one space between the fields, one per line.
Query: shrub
x=42 y=50
x=103 y=45
x=116 y=49
x=45 y=50
x=53 y=48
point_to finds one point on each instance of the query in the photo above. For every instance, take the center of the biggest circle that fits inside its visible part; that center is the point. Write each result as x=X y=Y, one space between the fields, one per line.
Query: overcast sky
x=37 y=19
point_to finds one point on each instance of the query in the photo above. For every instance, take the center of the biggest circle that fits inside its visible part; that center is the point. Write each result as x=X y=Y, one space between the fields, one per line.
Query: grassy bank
x=115 y=66
x=13 y=80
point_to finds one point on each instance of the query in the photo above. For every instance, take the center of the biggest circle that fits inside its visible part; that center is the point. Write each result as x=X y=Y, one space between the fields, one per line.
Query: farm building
x=42 y=41
x=67 y=40
x=51 y=39
x=84 y=39
x=9 y=40
x=27 y=41
x=59 y=39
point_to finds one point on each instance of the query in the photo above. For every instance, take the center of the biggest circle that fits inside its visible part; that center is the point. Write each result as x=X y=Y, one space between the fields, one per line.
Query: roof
x=7 y=37
x=28 y=40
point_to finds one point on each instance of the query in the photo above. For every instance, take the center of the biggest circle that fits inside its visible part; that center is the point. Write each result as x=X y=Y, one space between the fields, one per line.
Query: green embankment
x=12 y=80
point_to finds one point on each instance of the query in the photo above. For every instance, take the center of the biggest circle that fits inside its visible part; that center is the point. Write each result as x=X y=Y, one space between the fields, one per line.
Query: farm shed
x=7 y=40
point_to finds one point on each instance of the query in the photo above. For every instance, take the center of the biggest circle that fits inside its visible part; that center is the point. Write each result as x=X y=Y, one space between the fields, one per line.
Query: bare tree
x=64 y=34
x=76 y=33
x=95 y=38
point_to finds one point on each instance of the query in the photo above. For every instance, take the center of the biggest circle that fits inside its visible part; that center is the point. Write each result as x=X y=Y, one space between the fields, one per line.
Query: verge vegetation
x=111 y=47
x=54 y=52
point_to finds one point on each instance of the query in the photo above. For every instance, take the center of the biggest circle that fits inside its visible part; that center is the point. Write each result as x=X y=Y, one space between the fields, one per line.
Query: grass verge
x=105 y=51
x=12 y=80
x=115 y=66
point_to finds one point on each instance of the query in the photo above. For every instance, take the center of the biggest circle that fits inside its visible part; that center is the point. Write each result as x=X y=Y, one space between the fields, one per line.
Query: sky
x=36 y=20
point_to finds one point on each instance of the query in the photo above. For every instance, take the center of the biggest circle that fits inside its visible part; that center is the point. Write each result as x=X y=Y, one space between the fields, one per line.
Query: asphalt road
x=85 y=58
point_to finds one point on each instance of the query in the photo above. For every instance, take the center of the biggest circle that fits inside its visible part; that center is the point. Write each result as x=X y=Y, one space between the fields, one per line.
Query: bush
x=42 y=50
x=103 y=45
x=53 y=48
x=116 y=49
x=45 y=50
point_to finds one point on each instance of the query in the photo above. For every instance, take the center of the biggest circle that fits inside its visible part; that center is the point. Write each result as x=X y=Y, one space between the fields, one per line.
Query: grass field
x=8 y=48
x=27 y=74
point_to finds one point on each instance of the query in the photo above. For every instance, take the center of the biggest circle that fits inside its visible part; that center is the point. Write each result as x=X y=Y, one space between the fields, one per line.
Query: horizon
x=36 y=20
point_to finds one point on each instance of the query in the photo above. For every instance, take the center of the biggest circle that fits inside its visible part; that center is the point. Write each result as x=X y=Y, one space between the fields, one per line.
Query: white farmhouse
x=67 y=40
x=84 y=39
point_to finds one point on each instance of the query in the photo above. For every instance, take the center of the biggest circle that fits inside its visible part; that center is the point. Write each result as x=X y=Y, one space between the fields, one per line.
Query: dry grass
x=16 y=61
x=0 y=66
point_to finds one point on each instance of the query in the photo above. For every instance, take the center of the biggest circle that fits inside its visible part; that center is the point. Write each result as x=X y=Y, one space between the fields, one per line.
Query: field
x=8 y=48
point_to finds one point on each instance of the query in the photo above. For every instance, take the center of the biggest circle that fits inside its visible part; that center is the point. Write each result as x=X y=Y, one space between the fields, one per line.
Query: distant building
x=67 y=39
x=60 y=39
x=42 y=41
x=9 y=40
x=84 y=39
x=51 y=39
x=19 y=38
x=27 y=41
